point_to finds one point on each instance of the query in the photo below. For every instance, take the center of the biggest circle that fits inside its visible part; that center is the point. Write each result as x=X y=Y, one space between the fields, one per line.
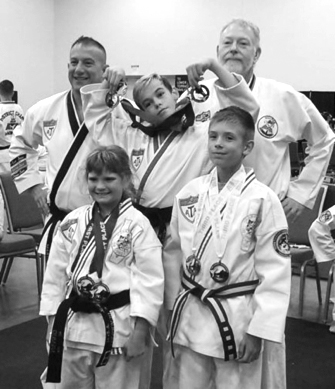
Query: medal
x=113 y=99
x=193 y=265
x=219 y=272
x=200 y=94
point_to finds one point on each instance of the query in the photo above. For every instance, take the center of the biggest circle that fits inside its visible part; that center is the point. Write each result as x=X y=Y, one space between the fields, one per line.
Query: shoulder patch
x=69 y=228
x=267 y=126
x=49 y=127
x=137 y=158
x=325 y=216
x=187 y=207
x=280 y=243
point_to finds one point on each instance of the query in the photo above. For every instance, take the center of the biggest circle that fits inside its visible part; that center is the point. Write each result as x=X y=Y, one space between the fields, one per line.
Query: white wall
x=27 y=48
x=297 y=38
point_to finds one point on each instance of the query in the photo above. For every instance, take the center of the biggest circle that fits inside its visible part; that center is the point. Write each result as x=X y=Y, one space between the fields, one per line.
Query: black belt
x=158 y=218
x=82 y=304
x=56 y=216
x=4 y=147
x=211 y=298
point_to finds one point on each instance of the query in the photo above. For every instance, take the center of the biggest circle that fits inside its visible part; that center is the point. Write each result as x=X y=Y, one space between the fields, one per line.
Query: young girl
x=103 y=285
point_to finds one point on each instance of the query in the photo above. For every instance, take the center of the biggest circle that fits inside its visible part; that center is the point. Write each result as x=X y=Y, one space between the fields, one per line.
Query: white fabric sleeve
x=273 y=268
x=23 y=152
x=147 y=275
x=320 y=236
x=320 y=141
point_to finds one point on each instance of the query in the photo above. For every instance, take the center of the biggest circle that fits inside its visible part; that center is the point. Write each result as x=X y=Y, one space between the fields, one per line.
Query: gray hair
x=246 y=24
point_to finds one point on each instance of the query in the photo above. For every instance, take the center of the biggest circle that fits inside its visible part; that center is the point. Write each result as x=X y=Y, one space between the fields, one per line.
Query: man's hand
x=113 y=76
x=40 y=196
x=196 y=71
x=249 y=349
x=292 y=209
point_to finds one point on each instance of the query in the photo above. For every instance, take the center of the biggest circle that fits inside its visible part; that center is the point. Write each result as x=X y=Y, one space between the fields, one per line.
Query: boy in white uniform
x=231 y=232
x=323 y=244
x=11 y=115
x=168 y=151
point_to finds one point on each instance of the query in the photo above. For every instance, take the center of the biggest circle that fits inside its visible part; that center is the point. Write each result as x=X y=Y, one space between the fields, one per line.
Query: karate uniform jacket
x=178 y=159
x=320 y=236
x=256 y=249
x=285 y=116
x=132 y=261
x=52 y=122
x=11 y=115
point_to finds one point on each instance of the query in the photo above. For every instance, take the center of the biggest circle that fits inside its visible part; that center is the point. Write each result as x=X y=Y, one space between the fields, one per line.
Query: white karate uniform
x=254 y=237
x=132 y=261
x=321 y=239
x=285 y=116
x=11 y=115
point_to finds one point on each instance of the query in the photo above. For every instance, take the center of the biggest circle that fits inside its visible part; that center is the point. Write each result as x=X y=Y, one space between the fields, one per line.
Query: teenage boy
x=235 y=259
x=166 y=151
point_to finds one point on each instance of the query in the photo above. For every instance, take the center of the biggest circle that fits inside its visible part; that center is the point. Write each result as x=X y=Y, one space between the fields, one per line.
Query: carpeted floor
x=310 y=356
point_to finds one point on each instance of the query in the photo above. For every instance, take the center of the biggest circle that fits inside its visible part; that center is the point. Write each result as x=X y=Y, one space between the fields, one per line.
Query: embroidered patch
x=137 y=158
x=49 y=127
x=18 y=165
x=121 y=246
x=203 y=116
x=187 y=207
x=325 y=216
x=69 y=228
x=280 y=243
x=248 y=225
x=267 y=126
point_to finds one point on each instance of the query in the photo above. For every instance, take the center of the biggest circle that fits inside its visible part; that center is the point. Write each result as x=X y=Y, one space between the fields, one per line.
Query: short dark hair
x=236 y=115
x=88 y=41
x=6 y=88
x=145 y=81
x=112 y=159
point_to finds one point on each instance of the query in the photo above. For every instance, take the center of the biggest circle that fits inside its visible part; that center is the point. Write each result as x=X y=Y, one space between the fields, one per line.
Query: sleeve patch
x=280 y=243
x=18 y=165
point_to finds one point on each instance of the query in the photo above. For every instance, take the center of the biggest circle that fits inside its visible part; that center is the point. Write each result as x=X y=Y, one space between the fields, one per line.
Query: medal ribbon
x=231 y=190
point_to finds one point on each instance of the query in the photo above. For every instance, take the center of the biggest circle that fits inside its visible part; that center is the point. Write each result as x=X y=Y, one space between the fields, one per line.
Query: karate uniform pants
x=79 y=371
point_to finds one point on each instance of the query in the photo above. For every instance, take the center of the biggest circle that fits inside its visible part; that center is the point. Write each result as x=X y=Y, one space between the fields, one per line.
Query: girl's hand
x=135 y=346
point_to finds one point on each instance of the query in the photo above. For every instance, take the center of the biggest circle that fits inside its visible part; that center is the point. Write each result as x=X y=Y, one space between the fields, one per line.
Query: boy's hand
x=195 y=71
x=249 y=349
x=112 y=77
x=135 y=345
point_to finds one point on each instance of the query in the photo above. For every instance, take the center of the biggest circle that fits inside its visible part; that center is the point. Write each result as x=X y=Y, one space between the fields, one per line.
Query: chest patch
x=49 y=127
x=203 y=116
x=267 y=126
x=325 y=216
x=280 y=243
x=137 y=158
x=188 y=207
x=69 y=228
x=121 y=246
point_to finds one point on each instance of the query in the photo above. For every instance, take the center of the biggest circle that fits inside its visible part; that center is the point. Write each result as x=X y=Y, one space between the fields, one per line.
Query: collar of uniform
x=179 y=121
x=251 y=83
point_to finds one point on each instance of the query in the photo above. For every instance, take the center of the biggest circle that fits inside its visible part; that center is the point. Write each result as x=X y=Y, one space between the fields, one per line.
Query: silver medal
x=219 y=272
x=193 y=265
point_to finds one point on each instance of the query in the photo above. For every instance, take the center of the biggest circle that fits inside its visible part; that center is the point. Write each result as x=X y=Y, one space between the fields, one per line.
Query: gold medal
x=193 y=265
x=219 y=272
